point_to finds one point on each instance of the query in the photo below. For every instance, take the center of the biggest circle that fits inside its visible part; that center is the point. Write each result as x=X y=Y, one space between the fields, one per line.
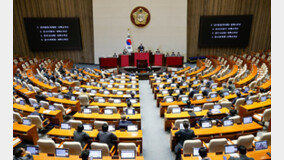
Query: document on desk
x=46 y=111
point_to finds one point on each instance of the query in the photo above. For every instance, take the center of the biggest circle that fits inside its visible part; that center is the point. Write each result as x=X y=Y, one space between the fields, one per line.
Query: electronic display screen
x=224 y=31
x=47 y=34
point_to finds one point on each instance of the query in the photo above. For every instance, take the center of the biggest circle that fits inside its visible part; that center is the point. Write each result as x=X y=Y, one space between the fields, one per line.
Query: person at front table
x=158 y=51
x=115 y=55
x=203 y=153
x=107 y=137
x=181 y=136
x=242 y=152
x=124 y=52
x=81 y=136
x=141 y=48
x=178 y=54
x=19 y=154
x=123 y=123
x=173 y=54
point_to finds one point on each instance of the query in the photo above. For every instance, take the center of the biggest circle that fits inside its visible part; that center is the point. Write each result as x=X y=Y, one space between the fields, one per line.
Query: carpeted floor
x=156 y=142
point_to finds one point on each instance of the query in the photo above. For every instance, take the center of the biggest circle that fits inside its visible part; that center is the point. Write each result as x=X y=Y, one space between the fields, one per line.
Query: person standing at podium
x=141 y=48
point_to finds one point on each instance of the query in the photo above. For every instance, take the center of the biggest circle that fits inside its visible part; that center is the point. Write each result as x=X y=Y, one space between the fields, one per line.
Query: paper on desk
x=46 y=111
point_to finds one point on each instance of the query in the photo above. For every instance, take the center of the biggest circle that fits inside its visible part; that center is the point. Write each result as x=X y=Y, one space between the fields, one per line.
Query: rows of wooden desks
x=118 y=89
x=28 y=133
x=230 y=132
x=23 y=91
x=40 y=84
x=111 y=119
x=164 y=105
x=123 y=136
x=74 y=105
x=192 y=116
x=257 y=155
x=54 y=116
x=44 y=156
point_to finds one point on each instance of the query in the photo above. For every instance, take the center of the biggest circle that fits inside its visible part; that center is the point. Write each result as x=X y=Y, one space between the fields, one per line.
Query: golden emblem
x=140 y=16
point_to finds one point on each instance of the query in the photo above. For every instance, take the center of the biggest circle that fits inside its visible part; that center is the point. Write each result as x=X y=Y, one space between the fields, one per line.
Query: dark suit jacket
x=192 y=93
x=242 y=157
x=206 y=91
x=81 y=137
x=124 y=124
x=184 y=134
x=106 y=137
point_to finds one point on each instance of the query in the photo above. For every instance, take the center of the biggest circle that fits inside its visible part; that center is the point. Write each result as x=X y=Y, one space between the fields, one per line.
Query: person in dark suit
x=203 y=153
x=36 y=113
x=231 y=86
x=141 y=48
x=239 y=95
x=194 y=91
x=206 y=91
x=40 y=97
x=107 y=137
x=242 y=152
x=188 y=104
x=123 y=123
x=81 y=136
x=19 y=154
x=85 y=154
x=183 y=135
x=69 y=94
x=209 y=82
x=250 y=95
x=115 y=55
x=232 y=113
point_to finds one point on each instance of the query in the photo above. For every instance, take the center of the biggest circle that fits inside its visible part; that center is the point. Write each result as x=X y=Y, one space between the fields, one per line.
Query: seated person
x=225 y=89
x=69 y=94
x=194 y=91
x=19 y=154
x=158 y=51
x=86 y=93
x=167 y=55
x=205 y=118
x=223 y=99
x=132 y=97
x=81 y=136
x=232 y=113
x=123 y=123
x=231 y=86
x=106 y=137
x=40 y=97
x=85 y=154
x=178 y=54
x=188 y=104
x=183 y=135
x=239 y=95
x=129 y=106
x=242 y=152
x=249 y=95
x=173 y=54
x=36 y=112
x=209 y=82
x=203 y=153
x=124 y=52
x=206 y=91
x=114 y=55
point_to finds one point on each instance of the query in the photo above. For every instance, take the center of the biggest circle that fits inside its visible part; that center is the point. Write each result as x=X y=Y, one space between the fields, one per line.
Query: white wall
x=166 y=29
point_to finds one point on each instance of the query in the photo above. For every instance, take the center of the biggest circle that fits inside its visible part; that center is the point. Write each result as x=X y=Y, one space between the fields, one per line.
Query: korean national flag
x=128 y=44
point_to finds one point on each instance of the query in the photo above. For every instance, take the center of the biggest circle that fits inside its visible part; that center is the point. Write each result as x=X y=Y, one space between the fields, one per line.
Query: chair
x=84 y=100
x=75 y=148
x=264 y=117
x=264 y=137
x=61 y=107
x=183 y=98
x=180 y=121
x=239 y=102
x=168 y=99
x=211 y=93
x=226 y=105
x=197 y=94
x=74 y=123
x=216 y=145
x=103 y=147
x=171 y=107
x=244 y=140
x=114 y=109
x=98 y=124
x=253 y=98
x=128 y=146
x=77 y=83
x=94 y=109
x=38 y=122
x=17 y=117
x=188 y=146
x=32 y=101
x=44 y=104
x=47 y=146
x=236 y=119
x=208 y=106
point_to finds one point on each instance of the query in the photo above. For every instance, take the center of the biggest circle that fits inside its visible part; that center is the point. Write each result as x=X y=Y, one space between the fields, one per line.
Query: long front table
x=28 y=133
x=231 y=132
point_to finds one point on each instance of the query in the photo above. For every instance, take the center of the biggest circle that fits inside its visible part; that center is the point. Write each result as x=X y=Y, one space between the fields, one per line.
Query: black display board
x=224 y=31
x=47 y=34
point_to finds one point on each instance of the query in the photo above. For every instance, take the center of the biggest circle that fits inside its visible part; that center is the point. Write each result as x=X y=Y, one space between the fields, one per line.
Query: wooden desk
x=256 y=107
x=257 y=155
x=55 y=117
x=232 y=73
x=231 y=132
x=265 y=85
x=170 y=117
x=118 y=105
x=28 y=133
x=119 y=89
x=40 y=84
x=111 y=119
x=249 y=78
x=91 y=74
x=16 y=141
x=23 y=91
x=164 y=105
x=75 y=105
x=67 y=83
x=183 y=70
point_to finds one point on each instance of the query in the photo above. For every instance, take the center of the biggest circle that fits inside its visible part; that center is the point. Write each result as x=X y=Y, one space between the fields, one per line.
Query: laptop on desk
x=61 y=152
x=34 y=150
x=65 y=126
x=95 y=154
x=127 y=154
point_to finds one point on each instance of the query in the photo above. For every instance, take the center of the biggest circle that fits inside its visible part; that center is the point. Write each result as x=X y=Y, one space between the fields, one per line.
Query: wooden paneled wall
x=260 y=37
x=54 y=8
